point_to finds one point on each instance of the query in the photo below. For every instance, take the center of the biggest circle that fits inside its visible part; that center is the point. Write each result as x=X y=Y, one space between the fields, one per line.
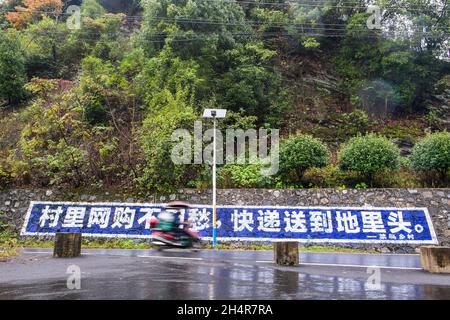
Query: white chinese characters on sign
x=74 y=217
x=100 y=217
x=269 y=221
x=372 y=222
x=321 y=221
x=201 y=219
x=295 y=221
x=51 y=216
x=242 y=220
x=396 y=220
x=123 y=216
x=347 y=222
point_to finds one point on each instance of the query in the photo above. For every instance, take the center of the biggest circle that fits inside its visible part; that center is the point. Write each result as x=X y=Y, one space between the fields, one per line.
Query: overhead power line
x=327 y=4
x=250 y=23
x=346 y=5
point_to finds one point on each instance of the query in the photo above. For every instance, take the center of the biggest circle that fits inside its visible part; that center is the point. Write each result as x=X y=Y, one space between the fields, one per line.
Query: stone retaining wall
x=14 y=203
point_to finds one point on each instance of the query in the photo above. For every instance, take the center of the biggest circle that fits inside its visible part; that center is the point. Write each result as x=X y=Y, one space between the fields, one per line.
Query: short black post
x=67 y=245
x=286 y=253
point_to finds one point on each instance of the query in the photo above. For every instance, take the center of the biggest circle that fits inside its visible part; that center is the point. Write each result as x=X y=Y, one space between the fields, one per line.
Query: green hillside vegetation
x=95 y=107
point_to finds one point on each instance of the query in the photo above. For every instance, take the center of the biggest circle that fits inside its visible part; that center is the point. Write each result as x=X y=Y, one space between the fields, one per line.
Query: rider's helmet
x=178 y=205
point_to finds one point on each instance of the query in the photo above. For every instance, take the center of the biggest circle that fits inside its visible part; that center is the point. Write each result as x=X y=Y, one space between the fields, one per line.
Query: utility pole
x=214 y=114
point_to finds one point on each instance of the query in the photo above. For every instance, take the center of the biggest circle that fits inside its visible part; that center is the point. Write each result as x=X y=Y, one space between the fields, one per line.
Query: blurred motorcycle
x=170 y=232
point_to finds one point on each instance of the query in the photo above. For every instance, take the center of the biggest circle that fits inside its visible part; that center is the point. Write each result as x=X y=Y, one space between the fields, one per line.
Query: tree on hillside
x=33 y=10
x=399 y=61
x=211 y=24
x=92 y=9
x=12 y=69
x=5 y=7
x=217 y=36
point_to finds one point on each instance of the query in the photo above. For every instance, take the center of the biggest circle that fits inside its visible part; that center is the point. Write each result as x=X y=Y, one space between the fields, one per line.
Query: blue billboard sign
x=234 y=223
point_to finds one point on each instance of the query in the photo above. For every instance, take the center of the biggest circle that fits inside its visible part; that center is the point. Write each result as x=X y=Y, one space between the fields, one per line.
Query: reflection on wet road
x=144 y=274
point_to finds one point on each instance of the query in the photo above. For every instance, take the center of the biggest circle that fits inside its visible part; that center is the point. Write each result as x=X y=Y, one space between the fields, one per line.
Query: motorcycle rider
x=169 y=222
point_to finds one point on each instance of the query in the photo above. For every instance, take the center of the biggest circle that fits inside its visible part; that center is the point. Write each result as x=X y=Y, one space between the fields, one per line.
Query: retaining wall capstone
x=14 y=203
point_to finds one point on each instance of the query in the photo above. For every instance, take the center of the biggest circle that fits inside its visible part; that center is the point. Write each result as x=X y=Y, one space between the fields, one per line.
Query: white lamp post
x=214 y=114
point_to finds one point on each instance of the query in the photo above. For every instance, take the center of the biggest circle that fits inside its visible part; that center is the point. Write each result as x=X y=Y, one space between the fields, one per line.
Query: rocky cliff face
x=316 y=91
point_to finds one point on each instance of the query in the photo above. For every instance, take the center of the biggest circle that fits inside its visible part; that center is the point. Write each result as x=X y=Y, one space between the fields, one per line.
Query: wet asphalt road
x=209 y=274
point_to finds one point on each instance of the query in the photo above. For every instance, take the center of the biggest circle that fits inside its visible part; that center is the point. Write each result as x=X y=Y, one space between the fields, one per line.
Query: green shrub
x=94 y=111
x=435 y=119
x=361 y=185
x=403 y=178
x=67 y=165
x=432 y=154
x=369 y=155
x=332 y=177
x=299 y=153
x=405 y=162
x=8 y=236
x=243 y=176
x=329 y=177
x=5 y=178
x=443 y=84
x=355 y=122
x=410 y=133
